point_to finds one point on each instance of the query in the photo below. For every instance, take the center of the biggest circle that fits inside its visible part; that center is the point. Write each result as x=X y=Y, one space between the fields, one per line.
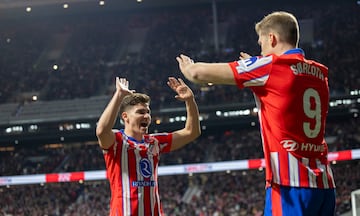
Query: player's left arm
x=192 y=125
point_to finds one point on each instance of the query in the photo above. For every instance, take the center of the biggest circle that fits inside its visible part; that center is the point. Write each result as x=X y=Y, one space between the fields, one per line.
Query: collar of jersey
x=295 y=51
x=131 y=138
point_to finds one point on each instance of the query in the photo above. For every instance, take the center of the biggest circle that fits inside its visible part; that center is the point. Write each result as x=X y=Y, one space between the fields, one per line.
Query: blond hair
x=283 y=23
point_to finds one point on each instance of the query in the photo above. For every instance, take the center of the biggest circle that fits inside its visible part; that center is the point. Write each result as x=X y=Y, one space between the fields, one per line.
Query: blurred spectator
x=90 y=53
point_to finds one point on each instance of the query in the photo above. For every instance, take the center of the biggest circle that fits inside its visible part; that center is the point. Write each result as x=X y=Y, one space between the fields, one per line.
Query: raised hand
x=244 y=55
x=184 y=61
x=183 y=91
x=122 y=85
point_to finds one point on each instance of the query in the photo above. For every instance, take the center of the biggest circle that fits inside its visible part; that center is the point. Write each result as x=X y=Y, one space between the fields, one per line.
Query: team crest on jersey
x=153 y=148
x=252 y=63
x=145 y=167
x=150 y=140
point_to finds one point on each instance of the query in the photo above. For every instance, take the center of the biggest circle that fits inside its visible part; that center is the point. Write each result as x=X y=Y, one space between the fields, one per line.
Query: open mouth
x=144 y=124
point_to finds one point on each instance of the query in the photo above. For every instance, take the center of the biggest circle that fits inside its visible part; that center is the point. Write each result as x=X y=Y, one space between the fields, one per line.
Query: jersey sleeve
x=112 y=150
x=112 y=155
x=164 y=141
x=252 y=72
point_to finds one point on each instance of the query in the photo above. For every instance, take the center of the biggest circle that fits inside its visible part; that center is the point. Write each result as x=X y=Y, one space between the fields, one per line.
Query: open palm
x=183 y=91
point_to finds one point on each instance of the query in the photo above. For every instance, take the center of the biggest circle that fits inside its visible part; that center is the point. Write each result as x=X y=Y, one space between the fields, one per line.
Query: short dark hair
x=283 y=23
x=132 y=100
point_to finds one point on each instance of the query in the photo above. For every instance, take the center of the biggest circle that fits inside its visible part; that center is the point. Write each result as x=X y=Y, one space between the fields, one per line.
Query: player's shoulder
x=156 y=135
x=115 y=130
x=258 y=60
x=316 y=63
x=119 y=134
x=254 y=62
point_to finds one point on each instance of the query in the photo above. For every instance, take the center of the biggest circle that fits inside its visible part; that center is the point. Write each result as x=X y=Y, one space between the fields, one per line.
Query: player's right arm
x=106 y=122
x=200 y=72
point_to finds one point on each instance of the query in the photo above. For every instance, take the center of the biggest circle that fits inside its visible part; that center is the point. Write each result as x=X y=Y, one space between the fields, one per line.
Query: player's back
x=293 y=108
x=296 y=103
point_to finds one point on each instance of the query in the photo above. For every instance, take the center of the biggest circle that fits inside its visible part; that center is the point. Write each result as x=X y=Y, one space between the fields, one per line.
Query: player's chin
x=144 y=130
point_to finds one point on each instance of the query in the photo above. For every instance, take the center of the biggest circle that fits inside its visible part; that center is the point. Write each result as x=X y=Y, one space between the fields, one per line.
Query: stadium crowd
x=88 y=54
x=91 y=54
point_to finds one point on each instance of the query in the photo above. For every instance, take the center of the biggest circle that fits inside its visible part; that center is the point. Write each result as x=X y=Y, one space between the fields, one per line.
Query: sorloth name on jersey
x=305 y=68
x=291 y=145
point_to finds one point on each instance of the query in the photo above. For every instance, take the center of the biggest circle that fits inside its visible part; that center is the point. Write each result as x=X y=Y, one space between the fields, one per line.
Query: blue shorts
x=295 y=201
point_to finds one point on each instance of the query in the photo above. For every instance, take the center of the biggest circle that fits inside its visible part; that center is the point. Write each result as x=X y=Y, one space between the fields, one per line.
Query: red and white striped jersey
x=132 y=173
x=292 y=97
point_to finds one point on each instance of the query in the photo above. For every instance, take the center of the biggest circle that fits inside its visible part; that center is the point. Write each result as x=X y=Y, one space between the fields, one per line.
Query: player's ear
x=124 y=116
x=273 y=39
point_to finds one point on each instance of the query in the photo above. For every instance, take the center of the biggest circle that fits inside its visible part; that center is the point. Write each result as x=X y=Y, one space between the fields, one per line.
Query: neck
x=282 y=48
x=133 y=134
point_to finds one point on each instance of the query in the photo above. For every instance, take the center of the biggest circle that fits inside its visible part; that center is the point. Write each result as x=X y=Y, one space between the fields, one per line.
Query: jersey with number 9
x=292 y=97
